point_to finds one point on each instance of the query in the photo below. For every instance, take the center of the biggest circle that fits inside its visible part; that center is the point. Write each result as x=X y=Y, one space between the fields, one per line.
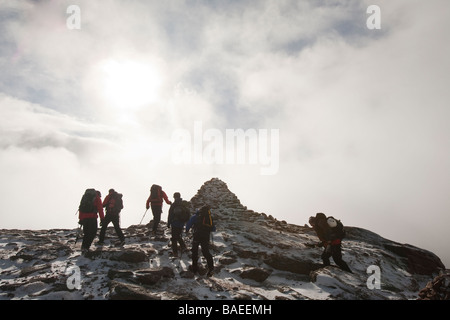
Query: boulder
x=284 y=263
x=143 y=276
x=256 y=274
x=418 y=261
x=127 y=291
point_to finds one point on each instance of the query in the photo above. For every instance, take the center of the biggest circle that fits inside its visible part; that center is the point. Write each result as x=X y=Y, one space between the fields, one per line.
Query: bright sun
x=129 y=84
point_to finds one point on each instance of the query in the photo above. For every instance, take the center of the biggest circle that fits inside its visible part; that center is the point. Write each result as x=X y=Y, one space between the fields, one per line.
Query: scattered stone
x=438 y=288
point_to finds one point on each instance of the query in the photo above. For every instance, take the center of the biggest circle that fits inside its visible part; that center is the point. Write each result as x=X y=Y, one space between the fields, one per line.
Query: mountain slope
x=255 y=256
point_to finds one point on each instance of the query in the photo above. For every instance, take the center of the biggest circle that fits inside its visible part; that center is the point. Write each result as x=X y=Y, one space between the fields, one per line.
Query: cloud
x=361 y=113
x=46 y=157
x=31 y=126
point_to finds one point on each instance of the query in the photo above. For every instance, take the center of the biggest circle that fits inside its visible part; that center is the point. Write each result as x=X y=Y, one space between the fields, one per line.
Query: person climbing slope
x=155 y=201
x=89 y=209
x=203 y=224
x=114 y=204
x=179 y=214
x=330 y=232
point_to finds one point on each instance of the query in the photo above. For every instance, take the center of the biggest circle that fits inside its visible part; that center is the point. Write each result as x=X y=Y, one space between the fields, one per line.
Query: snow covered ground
x=256 y=257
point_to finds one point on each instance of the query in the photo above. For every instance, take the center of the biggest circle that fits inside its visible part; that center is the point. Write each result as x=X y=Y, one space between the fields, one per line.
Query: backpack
x=155 y=193
x=337 y=228
x=119 y=202
x=181 y=213
x=204 y=220
x=115 y=203
x=87 y=201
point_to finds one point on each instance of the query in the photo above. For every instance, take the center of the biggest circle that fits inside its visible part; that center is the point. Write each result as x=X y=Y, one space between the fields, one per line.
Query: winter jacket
x=158 y=202
x=98 y=204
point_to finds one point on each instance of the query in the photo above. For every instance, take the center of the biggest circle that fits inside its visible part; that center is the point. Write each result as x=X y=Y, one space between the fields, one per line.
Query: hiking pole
x=143 y=216
x=79 y=233
x=213 y=247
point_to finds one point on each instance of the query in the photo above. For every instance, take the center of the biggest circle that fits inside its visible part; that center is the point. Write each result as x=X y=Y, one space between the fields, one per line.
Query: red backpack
x=156 y=193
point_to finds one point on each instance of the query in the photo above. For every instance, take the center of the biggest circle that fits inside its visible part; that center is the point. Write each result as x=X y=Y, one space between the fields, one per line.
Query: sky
x=300 y=107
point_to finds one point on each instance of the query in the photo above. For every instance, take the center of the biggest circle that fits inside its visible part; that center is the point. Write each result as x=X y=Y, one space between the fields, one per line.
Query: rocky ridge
x=256 y=257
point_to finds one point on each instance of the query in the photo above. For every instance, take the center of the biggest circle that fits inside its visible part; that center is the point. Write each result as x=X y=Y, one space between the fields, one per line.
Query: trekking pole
x=79 y=233
x=213 y=247
x=143 y=216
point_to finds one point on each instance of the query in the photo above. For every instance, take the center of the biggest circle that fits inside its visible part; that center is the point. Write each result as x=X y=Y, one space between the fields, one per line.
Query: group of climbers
x=329 y=230
x=179 y=217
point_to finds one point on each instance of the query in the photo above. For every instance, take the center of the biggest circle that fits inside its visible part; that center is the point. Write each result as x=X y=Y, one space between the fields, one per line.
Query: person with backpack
x=330 y=232
x=155 y=201
x=202 y=224
x=90 y=207
x=179 y=214
x=113 y=204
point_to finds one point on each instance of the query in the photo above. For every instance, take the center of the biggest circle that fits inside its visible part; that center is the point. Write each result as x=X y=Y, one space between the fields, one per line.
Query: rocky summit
x=255 y=255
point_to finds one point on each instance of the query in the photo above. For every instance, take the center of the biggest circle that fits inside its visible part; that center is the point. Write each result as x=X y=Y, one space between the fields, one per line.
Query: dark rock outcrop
x=256 y=256
x=418 y=260
x=256 y=274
